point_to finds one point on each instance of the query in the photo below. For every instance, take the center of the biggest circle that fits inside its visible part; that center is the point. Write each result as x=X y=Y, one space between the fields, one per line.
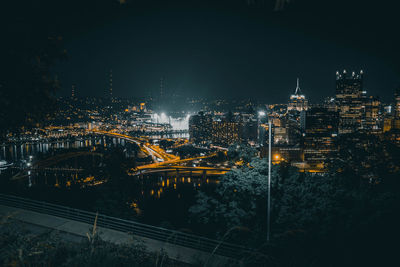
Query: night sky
x=219 y=48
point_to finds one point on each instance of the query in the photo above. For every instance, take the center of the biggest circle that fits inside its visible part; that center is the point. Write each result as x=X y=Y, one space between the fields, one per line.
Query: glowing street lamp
x=260 y=115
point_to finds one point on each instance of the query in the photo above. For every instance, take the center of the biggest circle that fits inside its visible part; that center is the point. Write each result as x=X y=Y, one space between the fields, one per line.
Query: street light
x=269 y=181
x=260 y=115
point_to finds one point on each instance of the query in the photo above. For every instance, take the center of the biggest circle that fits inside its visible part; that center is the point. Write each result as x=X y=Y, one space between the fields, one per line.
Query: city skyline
x=199 y=133
x=284 y=95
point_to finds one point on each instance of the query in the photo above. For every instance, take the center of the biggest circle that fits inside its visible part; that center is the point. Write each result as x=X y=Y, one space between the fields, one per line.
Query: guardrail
x=135 y=228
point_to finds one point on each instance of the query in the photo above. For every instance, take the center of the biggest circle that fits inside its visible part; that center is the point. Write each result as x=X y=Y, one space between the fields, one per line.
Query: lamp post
x=269 y=182
x=260 y=115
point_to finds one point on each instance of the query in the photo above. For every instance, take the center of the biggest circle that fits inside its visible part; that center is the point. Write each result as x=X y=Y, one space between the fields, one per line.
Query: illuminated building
x=200 y=127
x=264 y=134
x=396 y=122
x=223 y=130
x=392 y=117
x=349 y=90
x=293 y=128
x=370 y=120
x=226 y=132
x=397 y=103
x=297 y=101
x=321 y=128
x=73 y=92
x=250 y=128
x=387 y=124
x=143 y=107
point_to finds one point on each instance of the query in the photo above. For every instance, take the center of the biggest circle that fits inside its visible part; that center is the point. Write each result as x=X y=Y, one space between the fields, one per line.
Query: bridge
x=182 y=170
x=181 y=246
x=167 y=163
x=156 y=154
x=46 y=163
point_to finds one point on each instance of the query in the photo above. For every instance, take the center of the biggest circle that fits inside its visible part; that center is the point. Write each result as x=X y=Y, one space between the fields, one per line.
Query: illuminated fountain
x=181 y=123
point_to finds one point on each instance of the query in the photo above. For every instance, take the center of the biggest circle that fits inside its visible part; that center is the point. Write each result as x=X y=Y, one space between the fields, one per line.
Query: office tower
x=321 y=128
x=293 y=128
x=396 y=120
x=297 y=101
x=250 y=127
x=371 y=114
x=227 y=132
x=73 y=91
x=397 y=103
x=200 y=127
x=349 y=89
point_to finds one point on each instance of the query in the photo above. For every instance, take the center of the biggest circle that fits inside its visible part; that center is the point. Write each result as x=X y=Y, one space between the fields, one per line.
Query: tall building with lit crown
x=349 y=90
x=297 y=101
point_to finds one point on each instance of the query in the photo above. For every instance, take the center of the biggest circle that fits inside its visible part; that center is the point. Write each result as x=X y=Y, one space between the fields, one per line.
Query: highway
x=164 y=161
x=155 y=152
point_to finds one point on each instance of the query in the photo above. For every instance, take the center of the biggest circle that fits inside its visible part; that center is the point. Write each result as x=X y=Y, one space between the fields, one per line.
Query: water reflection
x=21 y=151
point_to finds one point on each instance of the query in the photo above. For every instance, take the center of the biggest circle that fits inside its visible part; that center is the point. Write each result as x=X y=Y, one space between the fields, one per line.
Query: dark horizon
x=218 y=49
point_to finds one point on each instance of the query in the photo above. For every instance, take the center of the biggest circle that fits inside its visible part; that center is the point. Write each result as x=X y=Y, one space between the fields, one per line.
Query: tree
x=316 y=219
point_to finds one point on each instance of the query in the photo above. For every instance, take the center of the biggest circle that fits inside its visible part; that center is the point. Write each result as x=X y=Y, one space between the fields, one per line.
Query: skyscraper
x=200 y=127
x=110 y=88
x=321 y=127
x=371 y=114
x=397 y=103
x=297 y=101
x=73 y=91
x=396 y=121
x=349 y=89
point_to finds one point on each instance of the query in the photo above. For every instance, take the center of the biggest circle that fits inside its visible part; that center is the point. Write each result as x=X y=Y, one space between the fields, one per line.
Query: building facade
x=349 y=90
x=200 y=127
x=319 y=140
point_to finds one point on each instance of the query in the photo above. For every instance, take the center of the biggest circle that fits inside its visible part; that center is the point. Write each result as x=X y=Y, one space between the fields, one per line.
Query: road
x=163 y=160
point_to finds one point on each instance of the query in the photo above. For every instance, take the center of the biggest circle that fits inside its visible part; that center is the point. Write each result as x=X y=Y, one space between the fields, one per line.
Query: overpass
x=180 y=246
x=181 y=170
x=156 y=154
x=165 y=160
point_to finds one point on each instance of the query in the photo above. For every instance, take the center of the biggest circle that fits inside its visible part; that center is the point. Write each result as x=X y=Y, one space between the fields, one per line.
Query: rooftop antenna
x=297 y=88
x=162 y=87
x=111 y=84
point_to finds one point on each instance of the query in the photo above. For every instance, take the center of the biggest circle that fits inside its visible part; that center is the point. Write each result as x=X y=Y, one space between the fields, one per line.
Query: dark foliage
x=334 y=219
x=22 y=248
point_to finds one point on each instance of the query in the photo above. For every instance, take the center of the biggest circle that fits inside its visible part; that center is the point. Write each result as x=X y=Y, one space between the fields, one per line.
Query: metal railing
x=135 y=228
